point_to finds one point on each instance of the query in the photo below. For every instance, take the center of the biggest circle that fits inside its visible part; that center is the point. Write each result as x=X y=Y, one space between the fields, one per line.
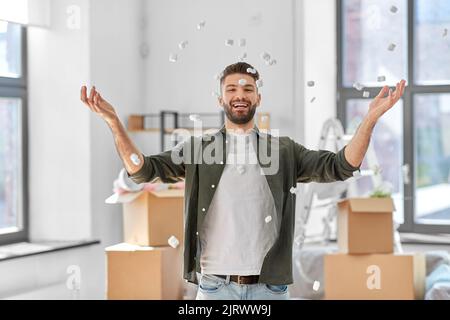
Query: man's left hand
x=383 y=103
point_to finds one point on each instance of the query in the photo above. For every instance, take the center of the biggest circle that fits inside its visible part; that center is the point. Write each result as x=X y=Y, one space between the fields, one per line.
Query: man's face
x=240 y=98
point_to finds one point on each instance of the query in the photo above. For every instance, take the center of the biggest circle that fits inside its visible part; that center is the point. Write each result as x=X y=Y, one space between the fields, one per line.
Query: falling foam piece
x=366 y=94
x=394 y=9
x=218 y=76
x=313 y=99
x=293 y=190
x=358 y=86
x=381 y=78
x=268 y=219
x=194 y=117
x=135 y=159
x=356 y=173
x=316 y=285
x=215 y=94
x=311 y=83
x=143 y=49
x=271 y=62
x=445 y=32
x=183 y=44
x=264 y=118
x=392 y=47
x=201 y=25
x=242 y=82
x=259 y=83
x=173 y=57
x=173 y=242
x=251 y=70
x=229 y=42
x=242 y=42
x=244 y=55
x=265 y=56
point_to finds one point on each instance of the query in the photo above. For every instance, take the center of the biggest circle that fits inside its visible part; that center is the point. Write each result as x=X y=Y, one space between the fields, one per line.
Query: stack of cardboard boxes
x=146 y=266
x=366 y=266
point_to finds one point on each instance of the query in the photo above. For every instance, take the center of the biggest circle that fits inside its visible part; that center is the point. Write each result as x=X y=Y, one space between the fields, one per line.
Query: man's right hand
x=97 y=104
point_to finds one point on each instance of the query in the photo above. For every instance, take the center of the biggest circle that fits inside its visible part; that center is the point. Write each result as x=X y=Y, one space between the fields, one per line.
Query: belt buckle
x=239 y=279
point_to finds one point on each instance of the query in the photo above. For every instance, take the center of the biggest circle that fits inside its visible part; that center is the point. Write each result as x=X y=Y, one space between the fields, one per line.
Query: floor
x=60 y=291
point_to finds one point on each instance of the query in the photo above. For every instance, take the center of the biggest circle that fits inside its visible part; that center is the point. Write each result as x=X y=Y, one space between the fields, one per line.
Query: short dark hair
x=239 y=67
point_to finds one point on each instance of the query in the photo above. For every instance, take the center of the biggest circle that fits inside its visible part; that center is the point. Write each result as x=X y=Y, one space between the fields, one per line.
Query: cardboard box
x=151 y=273
x=153 y=217
x=365 y=225
x=374 y=276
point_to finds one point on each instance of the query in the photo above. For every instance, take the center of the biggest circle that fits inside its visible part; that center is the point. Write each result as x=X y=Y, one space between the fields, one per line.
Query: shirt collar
x=223 y=130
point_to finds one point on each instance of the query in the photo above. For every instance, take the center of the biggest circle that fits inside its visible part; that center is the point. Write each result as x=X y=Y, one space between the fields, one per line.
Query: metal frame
x=176 y=116
x=344 y=94
x=163 y=125
x=17 y=88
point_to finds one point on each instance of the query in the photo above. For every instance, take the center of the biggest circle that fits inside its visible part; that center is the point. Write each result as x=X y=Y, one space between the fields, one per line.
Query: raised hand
x=381 y=104
x=97 y=104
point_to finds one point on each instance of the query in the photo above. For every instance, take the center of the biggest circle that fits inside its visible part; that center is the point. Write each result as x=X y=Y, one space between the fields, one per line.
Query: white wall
x=319 y=65
x=59 y=133
x=187 y=84
x=301 y=35
x=117 y=71
x=72 y=156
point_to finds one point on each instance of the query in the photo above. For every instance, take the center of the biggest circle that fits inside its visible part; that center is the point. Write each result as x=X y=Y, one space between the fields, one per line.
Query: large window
x=379 y=43
x=13 y=134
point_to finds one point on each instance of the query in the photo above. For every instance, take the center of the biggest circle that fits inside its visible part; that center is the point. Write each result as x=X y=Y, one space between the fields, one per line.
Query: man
x=239 y=215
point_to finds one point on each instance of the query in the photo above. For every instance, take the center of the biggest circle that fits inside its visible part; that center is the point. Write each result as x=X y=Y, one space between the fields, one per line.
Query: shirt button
x=203 y=209
x=213 y=186
x=196 y=233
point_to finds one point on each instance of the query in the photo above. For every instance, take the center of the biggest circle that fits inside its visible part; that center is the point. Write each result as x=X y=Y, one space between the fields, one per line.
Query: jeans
x=216 y=288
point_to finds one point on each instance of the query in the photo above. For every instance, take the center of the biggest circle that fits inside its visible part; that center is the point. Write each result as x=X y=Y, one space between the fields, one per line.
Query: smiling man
x=240 y=96
x=239 y=219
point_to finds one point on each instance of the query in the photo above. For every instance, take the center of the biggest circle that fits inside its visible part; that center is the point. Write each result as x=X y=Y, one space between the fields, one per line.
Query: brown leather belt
x=241 y=279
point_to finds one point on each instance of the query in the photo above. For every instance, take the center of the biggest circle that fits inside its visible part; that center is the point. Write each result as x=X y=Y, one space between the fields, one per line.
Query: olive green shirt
x=295 y=164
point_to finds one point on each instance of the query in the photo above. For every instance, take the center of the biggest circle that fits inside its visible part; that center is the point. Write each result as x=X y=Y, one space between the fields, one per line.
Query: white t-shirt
x=235 y=236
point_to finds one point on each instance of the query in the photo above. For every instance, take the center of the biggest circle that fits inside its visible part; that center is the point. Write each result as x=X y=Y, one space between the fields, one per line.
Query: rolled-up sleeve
x=346 y=166
x=322 y=165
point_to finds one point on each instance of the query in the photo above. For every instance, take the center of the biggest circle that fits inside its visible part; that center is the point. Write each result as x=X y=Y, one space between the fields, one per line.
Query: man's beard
x=239 y=117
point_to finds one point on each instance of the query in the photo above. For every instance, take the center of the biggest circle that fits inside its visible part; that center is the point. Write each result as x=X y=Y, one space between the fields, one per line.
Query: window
x=13 y=137
x=380 y=42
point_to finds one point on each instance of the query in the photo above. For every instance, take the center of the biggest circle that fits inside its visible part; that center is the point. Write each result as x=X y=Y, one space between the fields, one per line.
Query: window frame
x=344 y=94
x=18 y=88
